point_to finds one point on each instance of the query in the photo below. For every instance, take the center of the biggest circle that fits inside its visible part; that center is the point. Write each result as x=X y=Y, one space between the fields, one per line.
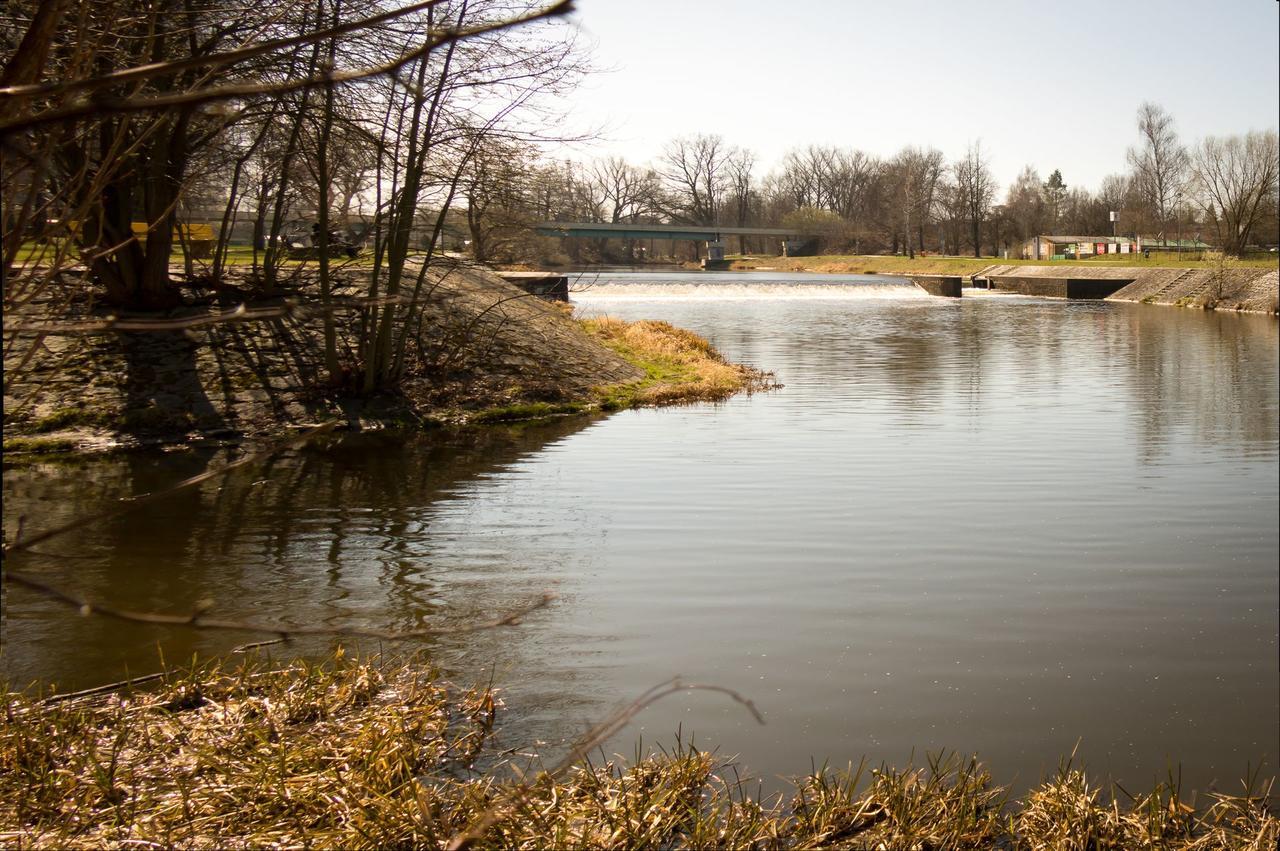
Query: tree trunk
x=108 y=226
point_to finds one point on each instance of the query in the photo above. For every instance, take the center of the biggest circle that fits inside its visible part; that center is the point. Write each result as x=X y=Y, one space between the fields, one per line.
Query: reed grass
x=366 y=753
x=679 y=366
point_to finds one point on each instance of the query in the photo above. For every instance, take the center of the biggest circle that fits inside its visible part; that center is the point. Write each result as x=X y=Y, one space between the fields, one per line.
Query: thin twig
x=197 y=620
x=105 y=688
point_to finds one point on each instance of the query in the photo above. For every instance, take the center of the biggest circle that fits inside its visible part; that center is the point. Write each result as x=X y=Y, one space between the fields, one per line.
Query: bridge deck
x=701 y=233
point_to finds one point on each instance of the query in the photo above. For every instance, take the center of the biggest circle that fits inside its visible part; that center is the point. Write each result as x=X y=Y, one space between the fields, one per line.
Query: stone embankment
x=484 y=343
x=1251 y=290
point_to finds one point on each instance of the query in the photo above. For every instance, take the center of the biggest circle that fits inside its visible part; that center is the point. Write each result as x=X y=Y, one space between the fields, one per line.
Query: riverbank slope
x=486 y=351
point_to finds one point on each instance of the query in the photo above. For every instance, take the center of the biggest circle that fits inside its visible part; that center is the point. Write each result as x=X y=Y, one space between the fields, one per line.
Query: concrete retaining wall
x=1074 y=288
x=947 y=286
x=1249 y=288
x=548 y=285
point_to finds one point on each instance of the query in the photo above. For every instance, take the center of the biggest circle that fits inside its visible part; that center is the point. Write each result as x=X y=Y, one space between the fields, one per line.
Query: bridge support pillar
x=715 y=256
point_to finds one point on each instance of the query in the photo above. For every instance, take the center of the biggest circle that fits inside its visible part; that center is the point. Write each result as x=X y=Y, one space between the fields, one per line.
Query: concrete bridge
x=624 y=230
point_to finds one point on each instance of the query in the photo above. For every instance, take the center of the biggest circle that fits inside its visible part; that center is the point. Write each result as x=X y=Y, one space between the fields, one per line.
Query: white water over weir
x=731 y=286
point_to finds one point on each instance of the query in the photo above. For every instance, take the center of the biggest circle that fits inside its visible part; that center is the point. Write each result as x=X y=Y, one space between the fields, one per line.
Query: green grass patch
x=39 y=445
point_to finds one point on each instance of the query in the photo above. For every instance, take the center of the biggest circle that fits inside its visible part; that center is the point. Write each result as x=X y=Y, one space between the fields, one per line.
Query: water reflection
x=331 y=534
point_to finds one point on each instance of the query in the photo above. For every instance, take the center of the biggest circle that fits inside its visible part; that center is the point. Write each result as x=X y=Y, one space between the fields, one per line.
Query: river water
x=996 y=524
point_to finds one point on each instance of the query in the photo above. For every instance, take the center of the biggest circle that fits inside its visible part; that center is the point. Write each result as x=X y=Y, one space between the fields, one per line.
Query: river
x=997 y=524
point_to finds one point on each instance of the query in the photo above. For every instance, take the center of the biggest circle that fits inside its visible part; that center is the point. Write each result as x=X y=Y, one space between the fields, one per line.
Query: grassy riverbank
x=370 y=754
x=678 y=366
x=874 y=264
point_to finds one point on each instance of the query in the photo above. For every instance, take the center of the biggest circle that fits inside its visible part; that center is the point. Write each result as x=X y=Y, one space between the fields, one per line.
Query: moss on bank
x=39 y=445
x=370 y=754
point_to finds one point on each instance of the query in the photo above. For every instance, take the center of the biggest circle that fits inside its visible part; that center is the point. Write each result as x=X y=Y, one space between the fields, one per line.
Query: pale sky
x=1056 y=85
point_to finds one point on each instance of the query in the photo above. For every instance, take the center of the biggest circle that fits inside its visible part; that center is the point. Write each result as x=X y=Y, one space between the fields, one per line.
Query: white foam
x=738 y=291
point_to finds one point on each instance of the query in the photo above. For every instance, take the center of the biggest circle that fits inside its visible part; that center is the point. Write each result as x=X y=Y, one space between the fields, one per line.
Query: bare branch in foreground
x=594 y=737
x=196 y=619
x=102 y=105
x=105 y=688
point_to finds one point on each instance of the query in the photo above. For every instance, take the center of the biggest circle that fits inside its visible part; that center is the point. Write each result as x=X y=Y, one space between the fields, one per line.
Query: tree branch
x=99 y=105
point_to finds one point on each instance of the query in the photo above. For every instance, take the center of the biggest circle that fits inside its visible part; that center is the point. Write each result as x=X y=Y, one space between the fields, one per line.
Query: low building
x=1078 y=247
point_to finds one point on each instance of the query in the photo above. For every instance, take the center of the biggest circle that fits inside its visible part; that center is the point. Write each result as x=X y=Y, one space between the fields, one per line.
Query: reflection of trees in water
x=332 y=533
x=1211 y=375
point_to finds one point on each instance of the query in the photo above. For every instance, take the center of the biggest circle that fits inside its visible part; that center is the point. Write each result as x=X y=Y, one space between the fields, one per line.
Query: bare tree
x=626 y=192
x=977 y=189
x=951 y=214
x=852 y=174
x=916 y=173
x=101 y=175
x=1115 y=191
x=843 y=181
x=495 y=187
x=1159 y=162
x=693 y=169
x=741 y=193
x=107 y=109
x=1025 y=205
x=1236 y=180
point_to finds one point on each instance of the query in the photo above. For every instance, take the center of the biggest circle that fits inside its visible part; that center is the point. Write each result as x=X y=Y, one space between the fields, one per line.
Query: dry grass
x=679 y=365
x=365 y=754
